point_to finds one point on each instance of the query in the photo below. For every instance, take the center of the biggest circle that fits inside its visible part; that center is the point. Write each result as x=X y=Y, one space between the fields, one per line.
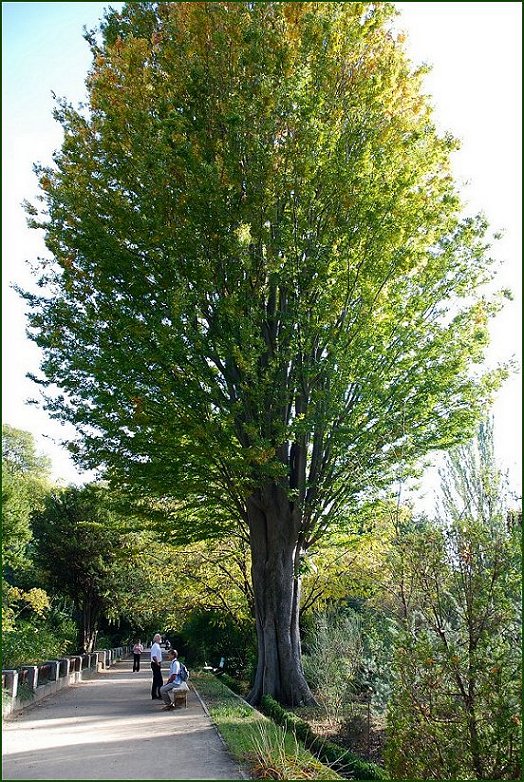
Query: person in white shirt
x=174 y=682
x=156 y=667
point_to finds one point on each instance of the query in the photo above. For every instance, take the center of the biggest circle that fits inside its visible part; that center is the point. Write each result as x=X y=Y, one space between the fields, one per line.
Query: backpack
x=183 y=673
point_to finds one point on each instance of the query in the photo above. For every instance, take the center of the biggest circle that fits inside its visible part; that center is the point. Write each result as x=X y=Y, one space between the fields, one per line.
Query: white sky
x=475 y=49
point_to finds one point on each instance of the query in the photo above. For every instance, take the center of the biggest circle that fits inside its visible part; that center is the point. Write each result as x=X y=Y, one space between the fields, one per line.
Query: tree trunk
x=474 y=740
x=276 y=587
x=89 y=628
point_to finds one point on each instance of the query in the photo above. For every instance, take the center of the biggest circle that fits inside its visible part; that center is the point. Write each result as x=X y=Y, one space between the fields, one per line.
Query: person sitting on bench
x=174 y=682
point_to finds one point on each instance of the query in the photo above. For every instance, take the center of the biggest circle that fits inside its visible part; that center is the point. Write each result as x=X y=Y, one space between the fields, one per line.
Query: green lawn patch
x=265 y=750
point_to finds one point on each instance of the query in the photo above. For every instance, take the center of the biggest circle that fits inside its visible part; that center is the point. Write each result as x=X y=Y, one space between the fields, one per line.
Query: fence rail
x=44 y=674
x=49 y=676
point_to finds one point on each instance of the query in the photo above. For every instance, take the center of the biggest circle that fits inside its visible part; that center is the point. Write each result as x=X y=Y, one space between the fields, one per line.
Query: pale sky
x=475 y=50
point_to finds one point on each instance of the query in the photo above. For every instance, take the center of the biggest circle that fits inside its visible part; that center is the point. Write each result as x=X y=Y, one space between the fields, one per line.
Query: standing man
x=156 y=667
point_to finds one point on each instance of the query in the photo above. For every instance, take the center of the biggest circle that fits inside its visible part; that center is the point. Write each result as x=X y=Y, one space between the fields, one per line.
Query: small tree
x=25 y=608
x=455 y=710
x=25 y=476
x=334 y=655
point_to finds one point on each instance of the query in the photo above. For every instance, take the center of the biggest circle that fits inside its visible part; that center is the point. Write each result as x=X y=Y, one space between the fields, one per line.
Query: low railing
x=60 y=672
x=45 y=674
x=63 y=669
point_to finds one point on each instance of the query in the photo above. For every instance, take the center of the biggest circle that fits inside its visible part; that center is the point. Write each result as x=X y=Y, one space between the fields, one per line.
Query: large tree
x=254 y=311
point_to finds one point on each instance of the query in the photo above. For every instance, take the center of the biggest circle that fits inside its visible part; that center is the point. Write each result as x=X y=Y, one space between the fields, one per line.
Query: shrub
x=334 y=656
x=31 y=642
x=455 y=712
x=233 y=684
x=210 y=635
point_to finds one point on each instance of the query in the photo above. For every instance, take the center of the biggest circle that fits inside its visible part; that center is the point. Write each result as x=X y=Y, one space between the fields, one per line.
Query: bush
x=456 y=703
x=334 y=655
x=210 y=635
x=32 y=642
x=233 y=684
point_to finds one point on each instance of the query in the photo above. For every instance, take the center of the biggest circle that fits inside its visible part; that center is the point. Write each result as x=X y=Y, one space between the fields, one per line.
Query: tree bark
x=89 y=627
x=276 y=587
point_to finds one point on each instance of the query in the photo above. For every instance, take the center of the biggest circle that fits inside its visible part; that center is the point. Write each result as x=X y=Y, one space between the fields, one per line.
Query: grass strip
x=347 y=763
x=263 y=749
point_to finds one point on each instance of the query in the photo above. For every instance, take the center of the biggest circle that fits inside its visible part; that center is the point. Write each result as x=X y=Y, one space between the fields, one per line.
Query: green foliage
x=24 y=483
x=82 y=550
x=28 y=633
x=212 y=575
x=210 y=635
x=232 y=683
x=264 y=300
x=455 y=709
x=339 y=758
x=32 y=641
x=375 y=674
x=260 y=262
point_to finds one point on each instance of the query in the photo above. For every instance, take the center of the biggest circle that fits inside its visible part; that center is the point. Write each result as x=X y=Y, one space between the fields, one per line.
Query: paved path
x=110 y=728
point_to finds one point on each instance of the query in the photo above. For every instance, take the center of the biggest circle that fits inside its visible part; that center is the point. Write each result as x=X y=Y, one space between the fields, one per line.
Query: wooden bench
x=179 y=696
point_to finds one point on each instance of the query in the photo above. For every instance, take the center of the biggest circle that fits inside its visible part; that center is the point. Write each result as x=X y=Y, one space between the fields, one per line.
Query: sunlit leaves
x=262 y=270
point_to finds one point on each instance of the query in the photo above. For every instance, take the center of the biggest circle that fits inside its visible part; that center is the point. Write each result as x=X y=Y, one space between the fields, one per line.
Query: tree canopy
x=82 y=551
x=25 y=476
x=264 y=299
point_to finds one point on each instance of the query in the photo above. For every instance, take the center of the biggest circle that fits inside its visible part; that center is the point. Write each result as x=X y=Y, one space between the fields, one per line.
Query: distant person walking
x=137 y=651
x=156 y=667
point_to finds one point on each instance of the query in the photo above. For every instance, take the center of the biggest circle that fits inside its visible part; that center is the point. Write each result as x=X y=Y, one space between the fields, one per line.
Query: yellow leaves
x=257 y=455
x=292 y=14
x=36 y=599
x=243 y=234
